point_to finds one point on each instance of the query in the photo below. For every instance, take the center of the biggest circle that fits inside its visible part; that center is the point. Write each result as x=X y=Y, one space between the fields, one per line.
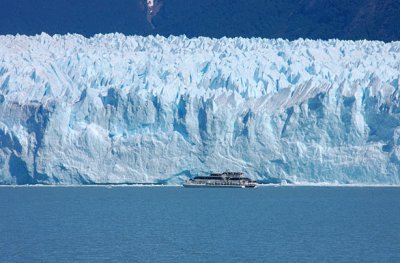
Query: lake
x=176 y=224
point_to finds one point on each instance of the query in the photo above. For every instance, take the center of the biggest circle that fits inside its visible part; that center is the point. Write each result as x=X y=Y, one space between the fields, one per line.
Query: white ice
x=114 y=108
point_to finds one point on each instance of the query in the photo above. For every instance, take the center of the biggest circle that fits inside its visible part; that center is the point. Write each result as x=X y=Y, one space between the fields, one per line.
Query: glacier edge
x=122 y=109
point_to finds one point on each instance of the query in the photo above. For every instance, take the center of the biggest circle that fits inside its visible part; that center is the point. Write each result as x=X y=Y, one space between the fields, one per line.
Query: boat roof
x=228 y=174
x=220 y=176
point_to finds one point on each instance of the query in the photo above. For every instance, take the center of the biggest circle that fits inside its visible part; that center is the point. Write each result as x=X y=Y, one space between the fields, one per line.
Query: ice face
x=113 y=108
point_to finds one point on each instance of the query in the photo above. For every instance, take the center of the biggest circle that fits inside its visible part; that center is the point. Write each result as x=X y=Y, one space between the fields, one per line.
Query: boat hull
x=217 y=186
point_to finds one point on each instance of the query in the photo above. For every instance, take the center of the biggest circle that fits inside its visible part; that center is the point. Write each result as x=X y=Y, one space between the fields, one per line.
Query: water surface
x=171 y=224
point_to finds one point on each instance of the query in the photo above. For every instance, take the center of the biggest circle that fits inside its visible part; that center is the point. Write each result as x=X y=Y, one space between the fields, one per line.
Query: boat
x=225 y=179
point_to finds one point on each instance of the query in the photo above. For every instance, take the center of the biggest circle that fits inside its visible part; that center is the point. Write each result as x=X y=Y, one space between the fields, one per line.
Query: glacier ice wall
x=118 y=109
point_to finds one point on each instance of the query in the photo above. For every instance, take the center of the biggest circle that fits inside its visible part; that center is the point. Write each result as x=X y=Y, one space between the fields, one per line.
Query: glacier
x=131 y=109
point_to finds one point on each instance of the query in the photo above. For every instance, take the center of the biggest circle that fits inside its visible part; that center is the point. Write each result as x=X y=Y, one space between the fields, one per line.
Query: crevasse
x=120 y=109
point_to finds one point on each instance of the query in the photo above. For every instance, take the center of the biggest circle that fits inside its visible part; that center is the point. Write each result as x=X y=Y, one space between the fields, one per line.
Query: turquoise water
x=175 y=224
